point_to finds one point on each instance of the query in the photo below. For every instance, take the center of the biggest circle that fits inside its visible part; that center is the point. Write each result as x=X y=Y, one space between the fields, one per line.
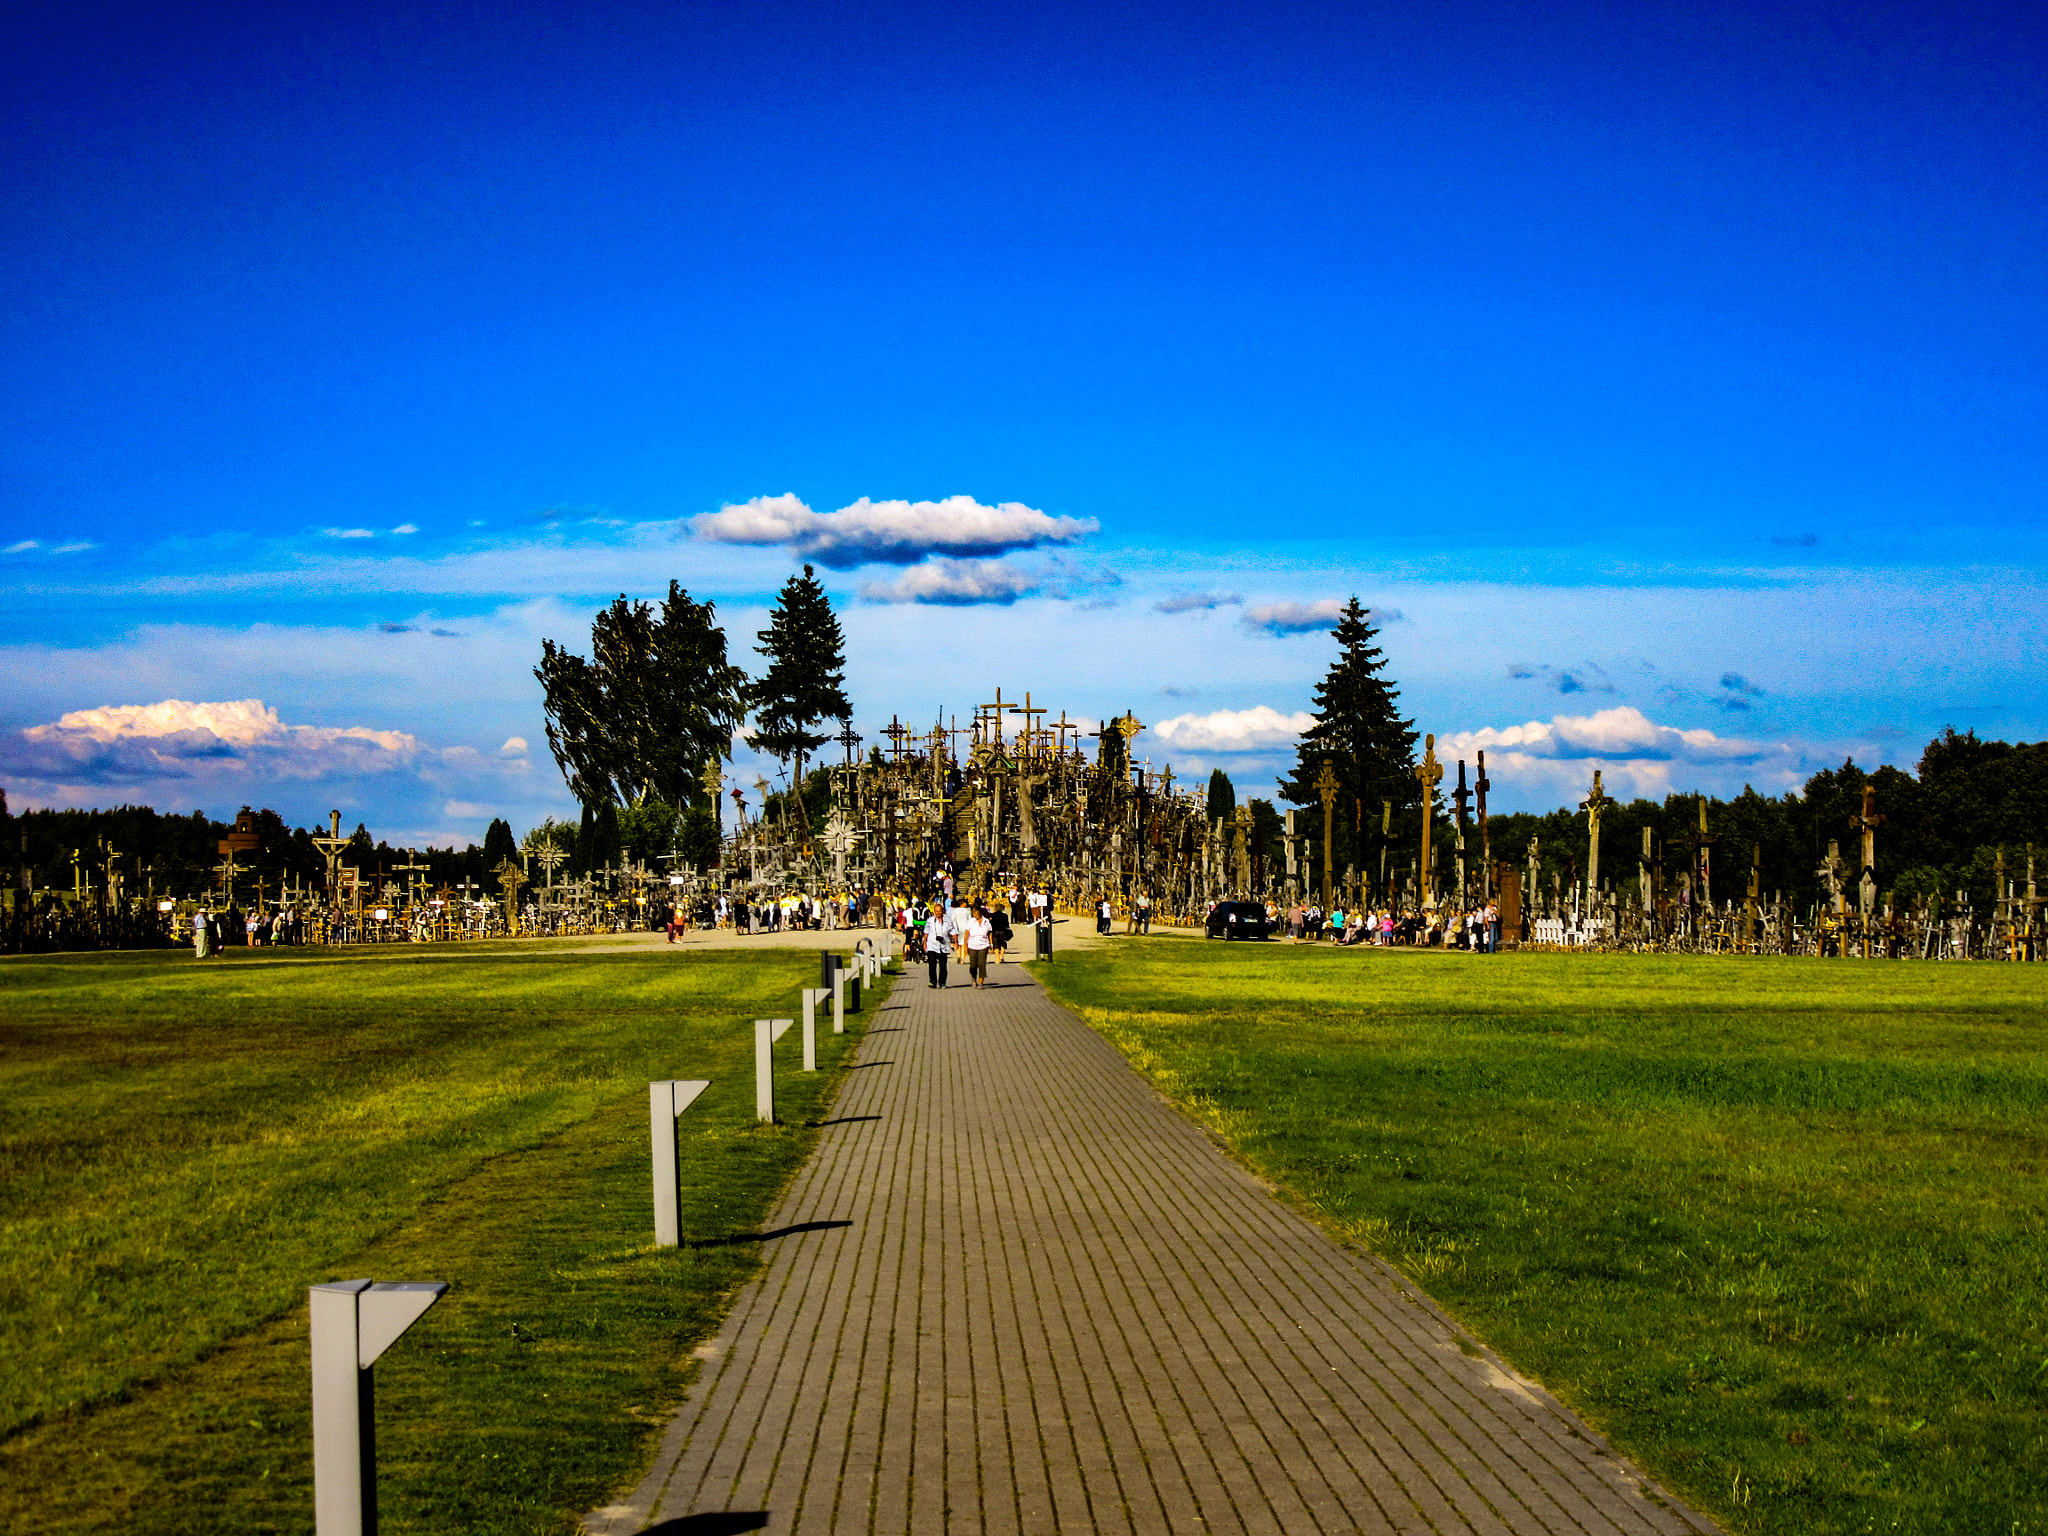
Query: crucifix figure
x=1326 y=791
x=1830 y=873
x=1867 y=821
x=1593 y=805
x=1428 y=773
x=510 y=878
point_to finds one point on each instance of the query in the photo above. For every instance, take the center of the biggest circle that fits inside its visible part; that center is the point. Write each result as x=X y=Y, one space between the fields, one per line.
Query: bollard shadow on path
x=859 y=1065
x=767 y=1237
x=819 y=1125
x=717 y=1523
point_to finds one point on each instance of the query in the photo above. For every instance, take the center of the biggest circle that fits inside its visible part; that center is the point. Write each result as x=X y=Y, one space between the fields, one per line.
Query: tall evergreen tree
x=656 y=701
x=498 y=846
x=1222 y=795
x=805 y=684
x=1370 y=745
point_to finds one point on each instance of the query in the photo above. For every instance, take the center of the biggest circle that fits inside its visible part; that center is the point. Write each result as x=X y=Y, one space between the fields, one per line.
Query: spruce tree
x=1370 y=745
x=805 y=684
x=498 y=847
x=1222 y=795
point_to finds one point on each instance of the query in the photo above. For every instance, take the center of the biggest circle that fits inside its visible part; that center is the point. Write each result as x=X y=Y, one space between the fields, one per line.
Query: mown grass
x=185 y=1147
x=1775 y=1226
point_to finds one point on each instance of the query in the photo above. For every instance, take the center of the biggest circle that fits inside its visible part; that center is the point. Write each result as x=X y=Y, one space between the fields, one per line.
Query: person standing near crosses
x=1000 y=930
x=977 y=934
x=938 y=945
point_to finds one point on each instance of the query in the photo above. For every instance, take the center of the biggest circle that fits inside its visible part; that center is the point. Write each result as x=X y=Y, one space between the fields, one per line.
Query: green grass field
x=185 y=1147
x=1778 y=1227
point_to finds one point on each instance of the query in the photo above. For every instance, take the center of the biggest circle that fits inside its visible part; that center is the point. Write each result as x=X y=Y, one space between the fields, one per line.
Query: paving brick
x=1057 y=1306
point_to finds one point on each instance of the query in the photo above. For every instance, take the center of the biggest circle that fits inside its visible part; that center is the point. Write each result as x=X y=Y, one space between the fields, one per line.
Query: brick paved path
x=1038 y=1299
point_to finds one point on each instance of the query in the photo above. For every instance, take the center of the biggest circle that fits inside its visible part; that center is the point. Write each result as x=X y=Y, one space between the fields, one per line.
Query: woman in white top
x=976 y=931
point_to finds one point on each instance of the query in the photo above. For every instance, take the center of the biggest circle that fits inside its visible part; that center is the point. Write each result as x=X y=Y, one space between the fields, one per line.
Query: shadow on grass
x=767 y=1237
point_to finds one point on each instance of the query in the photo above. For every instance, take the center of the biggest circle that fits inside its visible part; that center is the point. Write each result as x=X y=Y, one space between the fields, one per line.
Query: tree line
x=1944 y=824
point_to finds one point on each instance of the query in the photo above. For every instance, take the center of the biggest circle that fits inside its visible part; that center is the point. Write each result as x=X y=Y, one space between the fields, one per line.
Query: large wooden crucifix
x=1326 y=791
x=1480 y=785
x=1429 y=773
x=1867 y=821
x=1593 y=805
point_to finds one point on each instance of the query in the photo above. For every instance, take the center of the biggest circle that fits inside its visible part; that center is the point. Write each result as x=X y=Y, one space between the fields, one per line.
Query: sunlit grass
x=1777 y=1226
x=186 y=1147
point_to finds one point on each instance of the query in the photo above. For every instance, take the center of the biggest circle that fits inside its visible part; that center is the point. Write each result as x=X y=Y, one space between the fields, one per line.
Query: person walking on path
x=938 y=943
x=977 y=934
x=1000 y=930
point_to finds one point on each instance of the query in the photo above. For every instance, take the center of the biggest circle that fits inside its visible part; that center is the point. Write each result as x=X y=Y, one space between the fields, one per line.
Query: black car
x=1239 y=920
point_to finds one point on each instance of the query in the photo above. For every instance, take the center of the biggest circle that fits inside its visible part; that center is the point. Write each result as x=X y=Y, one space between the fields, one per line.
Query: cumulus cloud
x=1292 y=618
x=406 y=528
x=237 y=751
x=348 y=533
x=1194 y=602
x=1637 y=755
x=957 y=583
x=888 y=532
x=1257 y=729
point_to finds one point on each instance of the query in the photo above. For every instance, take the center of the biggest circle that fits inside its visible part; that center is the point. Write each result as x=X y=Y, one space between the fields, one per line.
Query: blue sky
x=1671 y=377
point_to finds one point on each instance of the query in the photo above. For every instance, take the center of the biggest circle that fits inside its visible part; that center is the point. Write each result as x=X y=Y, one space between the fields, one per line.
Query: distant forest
x=1943 y=830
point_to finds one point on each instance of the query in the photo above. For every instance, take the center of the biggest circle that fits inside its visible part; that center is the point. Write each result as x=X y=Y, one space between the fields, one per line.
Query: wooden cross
x=994 y=714
x=1326 y=791
x=1029 y=733
x=896 y=730
x=1867 y=821
x=1481 y=784
x=848 y=739
x=1593 y=805
x=1429 y=773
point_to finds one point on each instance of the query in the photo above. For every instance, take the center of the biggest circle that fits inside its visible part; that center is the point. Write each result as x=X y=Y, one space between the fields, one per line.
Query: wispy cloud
x=1585 y=678
x=1197 y=602
x=23 y=546
x=888 y=532
x=348 y=533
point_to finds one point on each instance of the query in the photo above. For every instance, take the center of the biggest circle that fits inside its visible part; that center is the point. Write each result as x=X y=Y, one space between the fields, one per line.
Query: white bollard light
x=812 y=997
x=766 y=1033
x=354 y=1322
x=666 y=1101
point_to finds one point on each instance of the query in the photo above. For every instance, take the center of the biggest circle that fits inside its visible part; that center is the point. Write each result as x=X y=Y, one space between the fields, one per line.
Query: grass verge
x=1775 y=1226
x=185 y=1148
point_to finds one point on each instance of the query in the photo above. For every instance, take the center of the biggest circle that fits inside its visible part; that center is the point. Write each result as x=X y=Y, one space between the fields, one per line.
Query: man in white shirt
x=974 y=935
x=938 y=943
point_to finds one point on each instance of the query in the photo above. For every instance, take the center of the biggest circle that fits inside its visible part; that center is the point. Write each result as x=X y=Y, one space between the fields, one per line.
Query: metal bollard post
x=766 y=1033
x=354 y=1322
x=828 y=962
x=665 y=1102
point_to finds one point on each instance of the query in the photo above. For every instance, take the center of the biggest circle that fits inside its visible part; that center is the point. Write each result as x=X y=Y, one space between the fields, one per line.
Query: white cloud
x=406 y=528
x=233 y=751
x=515 y=746
x=23 y=547
x=1555 y=758
x=1196 y=602
x=888 y=532
x=957 y=583
x=1257 y=729
x=349 y=533
x=1292 y=618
